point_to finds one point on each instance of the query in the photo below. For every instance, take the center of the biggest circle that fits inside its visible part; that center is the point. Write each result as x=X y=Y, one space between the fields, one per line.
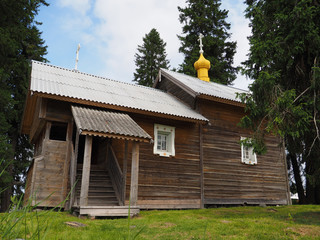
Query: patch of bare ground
x=225 y=221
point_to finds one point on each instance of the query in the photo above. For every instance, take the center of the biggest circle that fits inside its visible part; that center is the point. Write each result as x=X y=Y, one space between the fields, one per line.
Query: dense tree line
x=20 y=41
x=284 y=62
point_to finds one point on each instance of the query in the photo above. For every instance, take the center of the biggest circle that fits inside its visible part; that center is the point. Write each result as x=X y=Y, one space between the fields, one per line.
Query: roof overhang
x=194 y=93
x=101 y=123
x=221 y=100
x=118 y=108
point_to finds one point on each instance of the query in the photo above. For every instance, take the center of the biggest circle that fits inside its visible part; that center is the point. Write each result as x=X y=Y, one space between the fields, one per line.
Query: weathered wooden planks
x=225 y=177
x=86 y=172
x=47 y=179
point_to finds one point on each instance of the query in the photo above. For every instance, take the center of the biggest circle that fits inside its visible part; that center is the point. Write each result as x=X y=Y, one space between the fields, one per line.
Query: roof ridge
x=95 y=76
x=214 y=83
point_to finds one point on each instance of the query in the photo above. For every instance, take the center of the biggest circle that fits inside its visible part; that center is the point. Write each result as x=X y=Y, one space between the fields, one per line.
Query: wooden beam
x=66 y=166
x=48 y=128
x=73 y=170
x=134 y=174
x=115 y=107
x=86 y=172
x=111 y=135
x=124 y=171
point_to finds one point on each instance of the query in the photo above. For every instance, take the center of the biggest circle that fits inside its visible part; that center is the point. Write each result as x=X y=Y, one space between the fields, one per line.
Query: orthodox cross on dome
x=200 y=45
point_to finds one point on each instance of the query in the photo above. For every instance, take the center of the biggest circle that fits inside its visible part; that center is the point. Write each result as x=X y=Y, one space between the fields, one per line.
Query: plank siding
x=226 y=179
x=28 y=183
x=166 y=179
x=49 y=171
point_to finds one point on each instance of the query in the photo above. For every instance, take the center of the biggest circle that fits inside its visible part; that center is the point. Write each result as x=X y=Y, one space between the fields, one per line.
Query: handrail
x=115 y=173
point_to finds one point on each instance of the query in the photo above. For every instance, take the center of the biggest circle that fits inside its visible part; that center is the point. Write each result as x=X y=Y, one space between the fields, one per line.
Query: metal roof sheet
x=49 y=79
x=206 y=88
x=99 y=121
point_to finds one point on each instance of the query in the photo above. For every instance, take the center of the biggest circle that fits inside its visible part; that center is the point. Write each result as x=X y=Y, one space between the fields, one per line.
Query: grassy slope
x=286 y=222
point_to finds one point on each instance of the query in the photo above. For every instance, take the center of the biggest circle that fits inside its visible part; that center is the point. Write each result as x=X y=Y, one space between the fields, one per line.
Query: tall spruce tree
x=284 y=62
x=206 y=17
x=20 y=41
x=150 y=58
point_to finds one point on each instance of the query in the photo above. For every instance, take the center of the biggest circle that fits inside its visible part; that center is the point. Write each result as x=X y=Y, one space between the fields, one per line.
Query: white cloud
x=123 y=25
x=112 y=30
x=80 y=6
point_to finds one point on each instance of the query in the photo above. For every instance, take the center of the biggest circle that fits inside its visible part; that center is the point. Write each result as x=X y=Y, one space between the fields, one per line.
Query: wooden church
x=103 y=145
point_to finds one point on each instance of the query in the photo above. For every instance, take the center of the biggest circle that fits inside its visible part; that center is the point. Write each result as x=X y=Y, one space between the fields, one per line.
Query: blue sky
x=110 y=31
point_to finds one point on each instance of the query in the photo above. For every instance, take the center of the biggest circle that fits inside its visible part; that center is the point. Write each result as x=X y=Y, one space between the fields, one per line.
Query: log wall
x=166 y=182
x=226 y=179
x=49 y=174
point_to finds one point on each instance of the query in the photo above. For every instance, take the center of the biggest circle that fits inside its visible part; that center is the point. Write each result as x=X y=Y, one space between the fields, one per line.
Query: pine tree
x=206 y=17
x=20 y=42
x=150 y=58
x=284 y=61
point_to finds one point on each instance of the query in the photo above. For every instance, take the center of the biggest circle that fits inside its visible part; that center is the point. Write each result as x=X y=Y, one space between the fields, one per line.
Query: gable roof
x=197 y=87
x=56 y=81
x=104 y=123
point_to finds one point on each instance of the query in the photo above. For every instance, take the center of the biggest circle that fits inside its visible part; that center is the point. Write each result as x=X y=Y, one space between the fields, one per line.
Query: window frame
x=169 y=133
x=251 y=159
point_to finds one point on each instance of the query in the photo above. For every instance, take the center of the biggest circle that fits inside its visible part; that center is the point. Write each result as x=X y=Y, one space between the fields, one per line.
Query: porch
x=98 y=182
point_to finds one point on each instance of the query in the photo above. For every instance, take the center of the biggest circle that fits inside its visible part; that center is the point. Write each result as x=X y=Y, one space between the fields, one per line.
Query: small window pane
x=164 y=142
x=159 y=142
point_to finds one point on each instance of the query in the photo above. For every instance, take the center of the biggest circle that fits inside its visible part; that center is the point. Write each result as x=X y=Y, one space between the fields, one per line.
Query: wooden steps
x=109 y=211
x=101 y=192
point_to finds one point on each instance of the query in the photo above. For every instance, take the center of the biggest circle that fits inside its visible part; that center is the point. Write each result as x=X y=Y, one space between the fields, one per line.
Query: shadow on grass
x=307 y=218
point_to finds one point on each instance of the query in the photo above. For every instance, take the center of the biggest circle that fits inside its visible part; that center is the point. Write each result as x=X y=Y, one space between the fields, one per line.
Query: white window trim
x=252 y=160
x=170 y=132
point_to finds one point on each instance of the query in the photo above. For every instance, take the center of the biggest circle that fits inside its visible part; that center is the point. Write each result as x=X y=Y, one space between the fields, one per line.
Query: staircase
x=101 y=192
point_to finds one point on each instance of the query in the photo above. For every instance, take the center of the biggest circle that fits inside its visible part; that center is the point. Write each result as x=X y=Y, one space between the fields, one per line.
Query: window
x=247 y=154
x=58 y=131
x=164 y=140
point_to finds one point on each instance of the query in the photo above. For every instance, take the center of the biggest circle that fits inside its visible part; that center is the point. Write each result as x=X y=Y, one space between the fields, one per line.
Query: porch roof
x=108 y=124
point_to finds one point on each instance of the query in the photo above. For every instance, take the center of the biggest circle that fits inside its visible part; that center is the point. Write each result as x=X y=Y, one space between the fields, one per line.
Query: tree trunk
x=297 y=178
x=5 y=199
x=317 y=194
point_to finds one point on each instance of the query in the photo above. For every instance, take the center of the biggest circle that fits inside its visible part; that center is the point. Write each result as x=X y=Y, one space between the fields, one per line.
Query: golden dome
x=202 y=66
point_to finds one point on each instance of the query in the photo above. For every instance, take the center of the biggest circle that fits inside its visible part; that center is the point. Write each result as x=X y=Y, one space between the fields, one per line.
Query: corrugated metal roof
x=98 y=121
x=58 y=81
x=206 y=88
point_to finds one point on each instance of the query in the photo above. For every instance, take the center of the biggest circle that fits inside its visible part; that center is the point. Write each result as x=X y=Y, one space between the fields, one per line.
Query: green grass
x=285 y=222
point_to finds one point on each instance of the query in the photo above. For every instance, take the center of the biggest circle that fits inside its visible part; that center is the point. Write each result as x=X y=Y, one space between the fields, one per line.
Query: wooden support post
x=66 y=166
x=48 y=128
x=73 y=171
x=124 y=172
x=86 y=172
x=134 y=174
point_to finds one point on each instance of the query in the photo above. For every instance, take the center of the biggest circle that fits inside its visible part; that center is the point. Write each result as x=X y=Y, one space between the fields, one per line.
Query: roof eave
x=221 y=100
x=178 y=83
x=117 y=107
x=118 y=136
